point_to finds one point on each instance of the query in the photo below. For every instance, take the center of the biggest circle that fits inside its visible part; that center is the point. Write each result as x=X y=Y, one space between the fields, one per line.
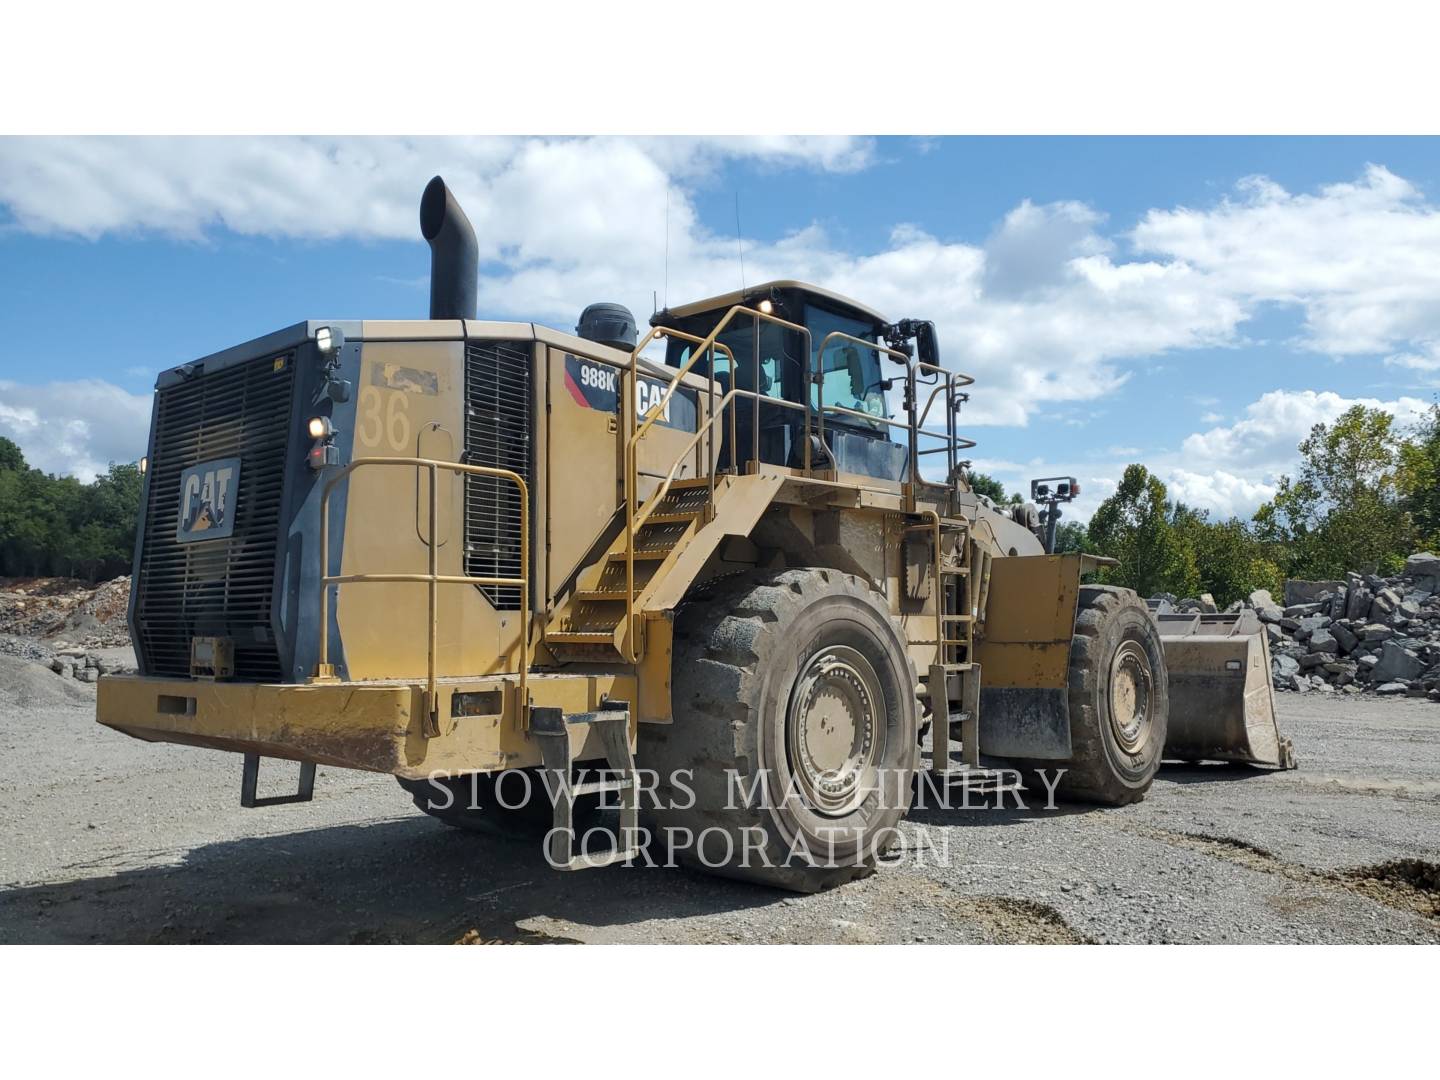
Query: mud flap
x=1025 y=722
x=1222 y=705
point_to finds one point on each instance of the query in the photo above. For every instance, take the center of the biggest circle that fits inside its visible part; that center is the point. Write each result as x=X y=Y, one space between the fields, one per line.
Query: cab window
x=850 y=373
x=739 y=336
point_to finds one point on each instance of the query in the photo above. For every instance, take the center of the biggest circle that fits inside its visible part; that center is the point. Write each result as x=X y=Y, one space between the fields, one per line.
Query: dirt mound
x=27 y=685
x=1404 y=883
x=66 y=610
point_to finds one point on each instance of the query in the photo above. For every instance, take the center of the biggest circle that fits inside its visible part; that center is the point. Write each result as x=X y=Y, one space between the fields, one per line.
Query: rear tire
x=1119 y=700
x=795 y=685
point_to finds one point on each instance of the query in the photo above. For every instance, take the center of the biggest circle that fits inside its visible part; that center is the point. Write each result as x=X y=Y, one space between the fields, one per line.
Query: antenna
x=667 y=247
x=739 y=243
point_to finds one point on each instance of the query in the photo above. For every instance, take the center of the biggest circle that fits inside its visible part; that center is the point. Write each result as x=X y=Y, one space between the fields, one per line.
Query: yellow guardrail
x=433 y=578
x=950 y=382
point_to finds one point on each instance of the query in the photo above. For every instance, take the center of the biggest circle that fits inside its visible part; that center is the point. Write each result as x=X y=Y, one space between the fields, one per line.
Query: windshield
x=850 y=373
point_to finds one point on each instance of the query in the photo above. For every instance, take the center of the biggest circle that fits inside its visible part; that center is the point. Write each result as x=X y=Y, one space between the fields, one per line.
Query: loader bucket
x=1222 y=705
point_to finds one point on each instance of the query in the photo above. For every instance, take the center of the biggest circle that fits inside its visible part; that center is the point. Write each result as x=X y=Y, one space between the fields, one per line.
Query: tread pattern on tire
x=1089 y=776
x=720 y=637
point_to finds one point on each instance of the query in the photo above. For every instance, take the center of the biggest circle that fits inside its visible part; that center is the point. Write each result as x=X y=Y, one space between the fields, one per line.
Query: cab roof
x=742 y=296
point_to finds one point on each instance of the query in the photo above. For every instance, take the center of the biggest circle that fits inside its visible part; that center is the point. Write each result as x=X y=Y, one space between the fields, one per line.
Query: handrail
x=432 y=577
x=635 y=518
x=638 y=430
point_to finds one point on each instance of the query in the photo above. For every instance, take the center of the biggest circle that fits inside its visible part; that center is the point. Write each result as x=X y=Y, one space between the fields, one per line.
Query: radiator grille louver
x=497 y=434
x=216 y=587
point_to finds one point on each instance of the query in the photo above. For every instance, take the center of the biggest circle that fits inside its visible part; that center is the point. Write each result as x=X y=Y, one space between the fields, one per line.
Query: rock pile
x=86 y=667
x=65 y=611
x=1365 y=633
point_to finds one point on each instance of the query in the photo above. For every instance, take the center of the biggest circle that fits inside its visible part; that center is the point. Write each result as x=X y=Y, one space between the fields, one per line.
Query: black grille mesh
x=216 y=587
x=497 y=434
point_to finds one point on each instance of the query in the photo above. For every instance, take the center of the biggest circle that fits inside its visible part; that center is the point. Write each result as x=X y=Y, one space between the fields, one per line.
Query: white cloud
x=1361 y=259
x=1223 y=493
x=521 y=194
x=1228 y=470
x=1265 y=438
x=74 y=428
x=1048 y=310
x=1425 y=360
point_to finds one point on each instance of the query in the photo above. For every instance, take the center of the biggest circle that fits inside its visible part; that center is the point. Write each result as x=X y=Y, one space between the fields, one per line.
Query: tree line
x=56 y=526
x=1366 y=494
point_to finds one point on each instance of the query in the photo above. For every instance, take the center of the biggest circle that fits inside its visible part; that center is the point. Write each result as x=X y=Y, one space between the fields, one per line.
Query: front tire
x=1119 y=699
x=795 y=730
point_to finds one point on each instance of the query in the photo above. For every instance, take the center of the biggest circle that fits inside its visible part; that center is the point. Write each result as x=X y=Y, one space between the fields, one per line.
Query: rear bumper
x=374 y=726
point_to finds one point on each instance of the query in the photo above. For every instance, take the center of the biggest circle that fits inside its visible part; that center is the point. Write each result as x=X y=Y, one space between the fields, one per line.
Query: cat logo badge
x=207 y=500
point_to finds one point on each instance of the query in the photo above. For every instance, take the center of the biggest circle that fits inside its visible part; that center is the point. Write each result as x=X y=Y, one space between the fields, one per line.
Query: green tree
x=1420 y=478
x=1134 y=526
x=1345 y=509
x=11 y=459
x=1072 y=536
x=55 y=525
x=992 y=489
x=1232 y=562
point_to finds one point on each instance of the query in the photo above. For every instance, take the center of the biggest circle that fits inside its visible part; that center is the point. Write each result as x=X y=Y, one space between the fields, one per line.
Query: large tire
x=1119 y=700
x=796 y=685
x=475 y=805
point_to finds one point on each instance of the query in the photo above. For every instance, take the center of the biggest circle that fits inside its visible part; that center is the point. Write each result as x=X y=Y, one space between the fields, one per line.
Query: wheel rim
x=831 y=731
x=1132 y=697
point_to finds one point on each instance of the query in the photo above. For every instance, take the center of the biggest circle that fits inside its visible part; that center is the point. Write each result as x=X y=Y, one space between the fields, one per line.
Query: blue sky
x=1190 y=303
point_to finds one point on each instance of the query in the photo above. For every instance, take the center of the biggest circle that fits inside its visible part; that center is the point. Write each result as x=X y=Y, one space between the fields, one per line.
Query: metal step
x=593 y=787
x=680 y=517
x=603 y=596
x=604 y=858
x=640 y=556
x=582 y=637
x=551 y=728
x=979 y=780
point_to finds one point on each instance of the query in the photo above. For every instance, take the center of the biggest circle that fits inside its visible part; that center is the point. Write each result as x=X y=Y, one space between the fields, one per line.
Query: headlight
x=320 y=427
x=328 y=340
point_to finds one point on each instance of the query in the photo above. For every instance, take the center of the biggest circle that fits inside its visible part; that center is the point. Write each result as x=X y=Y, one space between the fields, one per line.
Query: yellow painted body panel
x=1030 y=619
x=410 y=404
x=370 y=726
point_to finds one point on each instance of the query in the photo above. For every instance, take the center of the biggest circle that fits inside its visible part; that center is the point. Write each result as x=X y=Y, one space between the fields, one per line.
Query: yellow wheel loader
x=720 y=577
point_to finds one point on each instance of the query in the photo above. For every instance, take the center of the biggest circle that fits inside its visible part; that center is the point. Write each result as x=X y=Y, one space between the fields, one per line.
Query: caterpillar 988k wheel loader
x=712 y=563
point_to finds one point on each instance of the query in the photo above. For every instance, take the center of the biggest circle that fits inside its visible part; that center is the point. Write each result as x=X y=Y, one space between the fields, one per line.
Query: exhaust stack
x=454 y=254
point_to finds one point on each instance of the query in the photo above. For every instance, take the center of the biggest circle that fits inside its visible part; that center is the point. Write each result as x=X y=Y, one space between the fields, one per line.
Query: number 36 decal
x=384 y=418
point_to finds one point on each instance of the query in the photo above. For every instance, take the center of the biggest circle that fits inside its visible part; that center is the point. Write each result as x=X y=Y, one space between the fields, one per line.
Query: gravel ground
x=110 y=839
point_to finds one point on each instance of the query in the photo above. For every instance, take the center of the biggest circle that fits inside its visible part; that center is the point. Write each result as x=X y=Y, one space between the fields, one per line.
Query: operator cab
x=852 y=377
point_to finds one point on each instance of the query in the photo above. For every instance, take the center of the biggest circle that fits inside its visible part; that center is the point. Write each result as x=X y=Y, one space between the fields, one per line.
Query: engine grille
x=497 y=434
x=216 y=587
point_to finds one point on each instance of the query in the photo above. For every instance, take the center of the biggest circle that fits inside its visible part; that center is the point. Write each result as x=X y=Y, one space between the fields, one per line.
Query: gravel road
x=109 y=839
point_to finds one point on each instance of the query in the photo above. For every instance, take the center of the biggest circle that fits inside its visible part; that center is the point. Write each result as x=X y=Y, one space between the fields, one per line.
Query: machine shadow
x=409 y=880
x=1211 y=773
x=959 y=809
